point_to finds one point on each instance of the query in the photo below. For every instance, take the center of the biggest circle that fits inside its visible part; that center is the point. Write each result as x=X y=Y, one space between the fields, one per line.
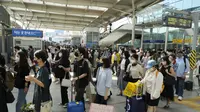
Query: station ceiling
x=73 y=15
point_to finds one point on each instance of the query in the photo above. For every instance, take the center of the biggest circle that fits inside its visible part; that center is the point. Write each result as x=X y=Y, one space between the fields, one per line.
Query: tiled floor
x=117 y=101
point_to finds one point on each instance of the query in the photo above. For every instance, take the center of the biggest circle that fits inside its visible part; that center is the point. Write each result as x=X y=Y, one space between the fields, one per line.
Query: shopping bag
x=133 y=89
x=101 y=108
x=46 y=106
x=135 y=104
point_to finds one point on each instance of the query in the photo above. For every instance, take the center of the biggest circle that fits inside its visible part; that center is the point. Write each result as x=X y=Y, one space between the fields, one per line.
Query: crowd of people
x=153 y=68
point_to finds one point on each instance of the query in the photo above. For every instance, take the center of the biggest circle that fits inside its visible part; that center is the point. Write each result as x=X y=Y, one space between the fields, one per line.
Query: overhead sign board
x=26 y=33
x=153 y=41
x=173 y=21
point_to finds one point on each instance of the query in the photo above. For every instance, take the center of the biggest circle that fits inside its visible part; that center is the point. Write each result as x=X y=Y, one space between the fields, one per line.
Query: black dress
x=168 y=91
x=3 y=104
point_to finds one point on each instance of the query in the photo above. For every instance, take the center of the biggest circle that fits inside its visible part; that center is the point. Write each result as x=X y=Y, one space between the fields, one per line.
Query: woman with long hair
x=64 y=68
x=42 y=83
x=22 y=68
x=168 y=72
x=123 y=67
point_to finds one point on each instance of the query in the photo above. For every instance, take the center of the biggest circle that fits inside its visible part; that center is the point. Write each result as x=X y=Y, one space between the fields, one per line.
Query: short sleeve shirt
x=81 y=67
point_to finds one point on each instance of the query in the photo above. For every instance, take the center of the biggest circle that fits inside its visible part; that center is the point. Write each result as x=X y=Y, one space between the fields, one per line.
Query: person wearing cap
x=182 y=70
x=152 y=81
x=104 y=81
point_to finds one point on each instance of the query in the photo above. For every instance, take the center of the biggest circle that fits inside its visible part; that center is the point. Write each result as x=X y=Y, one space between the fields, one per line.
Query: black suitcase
x=189 y=85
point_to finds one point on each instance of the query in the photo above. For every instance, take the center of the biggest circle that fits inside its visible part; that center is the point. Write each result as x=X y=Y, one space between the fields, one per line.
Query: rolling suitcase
x=74 y=106
x=189 y=85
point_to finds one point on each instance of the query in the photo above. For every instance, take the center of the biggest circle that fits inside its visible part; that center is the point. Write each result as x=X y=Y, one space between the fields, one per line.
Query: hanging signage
x=26 y=33
x=173 y=21
x=153 y=41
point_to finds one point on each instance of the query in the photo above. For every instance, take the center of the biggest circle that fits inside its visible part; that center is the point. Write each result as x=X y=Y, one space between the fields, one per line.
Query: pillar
x=166 y=38
x=133 y=23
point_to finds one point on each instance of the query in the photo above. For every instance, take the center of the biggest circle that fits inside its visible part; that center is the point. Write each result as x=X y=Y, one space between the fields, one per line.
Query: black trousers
x=100 y=99
x=64 y=93
x=80 y=95
x=114 y=65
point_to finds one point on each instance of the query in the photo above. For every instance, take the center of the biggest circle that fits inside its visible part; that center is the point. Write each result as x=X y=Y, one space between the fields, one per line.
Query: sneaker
x=65 y=105
x=166 y=107
x=87 y=100
x=175 y=95
x=180 y=98
x=60 y=104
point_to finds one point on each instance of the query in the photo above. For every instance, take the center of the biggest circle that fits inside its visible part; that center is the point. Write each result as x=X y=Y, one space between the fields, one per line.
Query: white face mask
x=60 y=54
x=17 y=59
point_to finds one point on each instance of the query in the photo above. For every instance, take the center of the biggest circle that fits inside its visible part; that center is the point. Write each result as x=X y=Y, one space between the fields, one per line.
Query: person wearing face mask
x=16 y=50
x=172 y=59
x=123 y=67
x=182 y=70
x=57 y=56
x=146 y=58
x=152 y=81
x=135 y=70
x=64 y=69
x=169 y=80
x=22 y=69
x=42 y=83
x=81 y=72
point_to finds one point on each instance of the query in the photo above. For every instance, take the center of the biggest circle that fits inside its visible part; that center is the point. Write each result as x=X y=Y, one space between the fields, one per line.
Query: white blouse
x=122 y=65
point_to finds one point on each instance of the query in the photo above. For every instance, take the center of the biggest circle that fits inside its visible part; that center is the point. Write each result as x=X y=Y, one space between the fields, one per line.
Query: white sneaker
x=180 y=98
x=175 y=95
x=87 y=100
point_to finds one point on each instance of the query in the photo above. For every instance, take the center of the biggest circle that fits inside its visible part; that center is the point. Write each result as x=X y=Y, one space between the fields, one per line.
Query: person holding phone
x=42 y=83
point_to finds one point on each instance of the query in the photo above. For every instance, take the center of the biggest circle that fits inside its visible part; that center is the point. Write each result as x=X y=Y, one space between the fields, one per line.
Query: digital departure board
x=172 y=21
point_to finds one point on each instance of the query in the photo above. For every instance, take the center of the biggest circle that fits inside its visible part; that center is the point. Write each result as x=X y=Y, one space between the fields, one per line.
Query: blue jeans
x=21 y=99
x=180 y=86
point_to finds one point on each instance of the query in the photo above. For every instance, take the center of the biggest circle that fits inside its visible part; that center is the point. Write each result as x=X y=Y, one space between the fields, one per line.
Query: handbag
x=9 y=96
x=66 y=82
x=126 y=77
x=46 y=106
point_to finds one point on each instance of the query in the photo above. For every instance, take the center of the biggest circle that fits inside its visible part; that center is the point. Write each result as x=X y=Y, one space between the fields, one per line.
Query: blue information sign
x=26 y=33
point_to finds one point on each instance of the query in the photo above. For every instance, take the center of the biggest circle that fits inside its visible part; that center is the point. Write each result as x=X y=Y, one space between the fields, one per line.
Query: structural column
x=133 y=22
x=195 y=18
x=142 y=39
x=166 y=38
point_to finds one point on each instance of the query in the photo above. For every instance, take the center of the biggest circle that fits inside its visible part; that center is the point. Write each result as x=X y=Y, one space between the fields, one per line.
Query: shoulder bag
x=126 y=77
x=66 y=82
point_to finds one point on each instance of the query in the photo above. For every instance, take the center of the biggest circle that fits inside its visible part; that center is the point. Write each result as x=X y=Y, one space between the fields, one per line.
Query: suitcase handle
x=138 y=98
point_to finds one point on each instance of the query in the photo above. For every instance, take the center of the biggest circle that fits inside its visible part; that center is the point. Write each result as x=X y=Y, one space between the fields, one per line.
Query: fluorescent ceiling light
x=98 y=8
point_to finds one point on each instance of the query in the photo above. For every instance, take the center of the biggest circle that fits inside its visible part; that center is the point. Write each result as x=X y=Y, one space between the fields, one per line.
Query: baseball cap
x=151 y=63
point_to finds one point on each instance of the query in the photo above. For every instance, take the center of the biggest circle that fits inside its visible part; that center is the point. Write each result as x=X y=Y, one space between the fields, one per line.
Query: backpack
x=90 y=69
x=10 y=80
x=163 y=86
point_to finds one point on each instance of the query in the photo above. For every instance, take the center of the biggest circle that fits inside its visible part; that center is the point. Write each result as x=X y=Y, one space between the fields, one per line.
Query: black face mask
x=134 y=64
